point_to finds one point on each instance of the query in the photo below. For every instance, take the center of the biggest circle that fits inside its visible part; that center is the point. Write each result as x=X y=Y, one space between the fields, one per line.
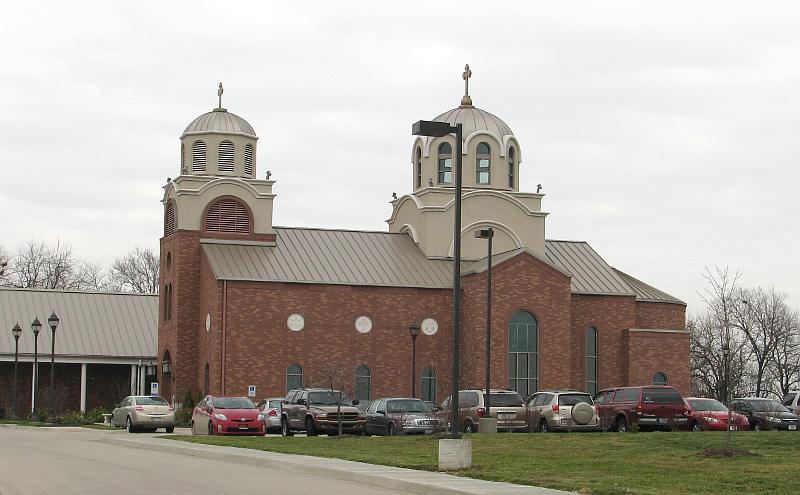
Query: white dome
x=222 y=121
x=474 y=119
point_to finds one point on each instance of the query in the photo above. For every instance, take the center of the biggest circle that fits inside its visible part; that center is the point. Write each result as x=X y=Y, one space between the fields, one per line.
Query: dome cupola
x=219 y=143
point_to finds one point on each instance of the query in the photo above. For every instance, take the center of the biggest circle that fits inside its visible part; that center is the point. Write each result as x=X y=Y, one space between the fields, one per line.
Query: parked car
x=506 y=405
x=271 y=409
x=141 y=412
x=792 y=401
x=562 y=410
x=765 y=414
x=317 y=410
x=711 y=414
x=651 y=407
x=215 y=415
x=393 y=416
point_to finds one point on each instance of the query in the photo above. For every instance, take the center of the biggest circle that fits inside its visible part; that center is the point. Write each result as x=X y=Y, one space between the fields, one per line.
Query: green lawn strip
x=602 y=464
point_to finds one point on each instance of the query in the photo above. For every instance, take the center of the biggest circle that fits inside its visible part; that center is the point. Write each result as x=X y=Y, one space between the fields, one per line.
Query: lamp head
x=484 y=233
x=16 y=331
x=53 y=321
x=431 y=128
x=36 y=326
x=413 y=329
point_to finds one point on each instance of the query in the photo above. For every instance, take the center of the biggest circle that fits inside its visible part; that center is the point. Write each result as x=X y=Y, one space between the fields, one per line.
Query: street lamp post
x=51 y=410
x=488 y=234
x=439 y=129
x=413 y=330
x=16 y=332
x=36 y=327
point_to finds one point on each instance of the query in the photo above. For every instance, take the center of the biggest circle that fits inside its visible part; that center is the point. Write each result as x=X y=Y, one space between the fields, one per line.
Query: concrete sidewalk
x=408 y=480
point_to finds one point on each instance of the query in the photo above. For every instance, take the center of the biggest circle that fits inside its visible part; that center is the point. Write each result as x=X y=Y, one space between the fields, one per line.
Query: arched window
x=483 y=164
x=198 y=156
x=429 y=384
x=205 y=381
x=523 y=353
x=248 y=160
x=169 y=261
x=660 y=378
x=294 y=377
x=169 y=218
x=226 y=156
x=363 y=383
x=418 y=166
x=591 y=361
x=445 y=163
x=168 y=302
x=511 y=167
x=228 y=215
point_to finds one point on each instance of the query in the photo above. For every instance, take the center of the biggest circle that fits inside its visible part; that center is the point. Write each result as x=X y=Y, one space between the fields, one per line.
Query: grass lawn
x=25 y=422
x=601 y=463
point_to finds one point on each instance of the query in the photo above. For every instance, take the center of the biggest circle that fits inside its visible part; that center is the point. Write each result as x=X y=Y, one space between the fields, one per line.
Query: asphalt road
x=67 y=461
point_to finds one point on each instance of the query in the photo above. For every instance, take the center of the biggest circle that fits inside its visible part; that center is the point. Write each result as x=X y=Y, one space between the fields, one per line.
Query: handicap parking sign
x=251 y=390
x=154 y=388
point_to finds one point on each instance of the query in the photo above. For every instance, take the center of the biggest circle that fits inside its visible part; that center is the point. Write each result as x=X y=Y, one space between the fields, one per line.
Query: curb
x=403 y=479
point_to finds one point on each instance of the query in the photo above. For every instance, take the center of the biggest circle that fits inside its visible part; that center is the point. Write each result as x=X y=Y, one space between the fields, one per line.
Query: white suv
x=792 y=401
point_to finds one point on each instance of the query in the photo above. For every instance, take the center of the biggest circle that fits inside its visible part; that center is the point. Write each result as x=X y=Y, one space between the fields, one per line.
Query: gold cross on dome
x=219 y=93
x=465 y=76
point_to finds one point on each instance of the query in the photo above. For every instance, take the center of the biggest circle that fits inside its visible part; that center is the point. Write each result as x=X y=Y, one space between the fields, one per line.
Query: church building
x=244 y=302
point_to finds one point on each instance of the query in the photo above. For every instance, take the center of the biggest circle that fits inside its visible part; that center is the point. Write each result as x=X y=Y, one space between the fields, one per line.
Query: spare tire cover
x=582 y=413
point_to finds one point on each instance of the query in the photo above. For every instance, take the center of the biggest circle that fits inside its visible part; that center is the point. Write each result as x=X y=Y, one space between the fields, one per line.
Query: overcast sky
x=664 y=134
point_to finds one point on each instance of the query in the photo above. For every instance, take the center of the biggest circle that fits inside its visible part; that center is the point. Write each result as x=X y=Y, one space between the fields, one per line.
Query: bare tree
x=90 y=277
x=35 y=264
x=4 y=258
x=715 y=372
x=784 y=367
x=137 y=271
x=331 y=378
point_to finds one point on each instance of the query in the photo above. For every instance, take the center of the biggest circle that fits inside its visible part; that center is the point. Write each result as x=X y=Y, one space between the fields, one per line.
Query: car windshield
x=274 y=404
x=151 y=401
x=233 y=403
x=661 y=396
x=707 y=405
x=572 y=399
x=509 y=399
x=767 y=405
x=328 y=398
x=407 y=406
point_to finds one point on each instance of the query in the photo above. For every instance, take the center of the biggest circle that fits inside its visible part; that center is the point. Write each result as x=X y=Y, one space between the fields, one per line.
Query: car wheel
x=759 y=426
x=311 y=430
x=696 y=426
x=210 y=428
x=622 y=425
x=469 y=428
x=129 y=425
x=392 y=429
x=543 y=428
x=285 y=430
x=170 y=429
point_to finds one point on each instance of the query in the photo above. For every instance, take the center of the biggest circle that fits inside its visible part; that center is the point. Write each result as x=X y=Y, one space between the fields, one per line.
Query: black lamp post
x=413 y=330
x=439 y=129
x=16 y=332
x=36 y=326
x=51 y=410
x=488 y=234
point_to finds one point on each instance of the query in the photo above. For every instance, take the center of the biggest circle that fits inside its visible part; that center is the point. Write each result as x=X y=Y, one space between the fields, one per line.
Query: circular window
x=429 y=326
x=295 y=322
x=363 y=324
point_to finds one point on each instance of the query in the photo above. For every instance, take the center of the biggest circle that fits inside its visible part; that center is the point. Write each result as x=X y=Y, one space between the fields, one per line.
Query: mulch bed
x=723 y=452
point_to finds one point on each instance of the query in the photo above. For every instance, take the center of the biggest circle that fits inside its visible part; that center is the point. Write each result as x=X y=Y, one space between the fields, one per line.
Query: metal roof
x=474 y=119
x=645 y=292
x=331 y=257
x=219 y=120
x=92 y=323
x=590 y=273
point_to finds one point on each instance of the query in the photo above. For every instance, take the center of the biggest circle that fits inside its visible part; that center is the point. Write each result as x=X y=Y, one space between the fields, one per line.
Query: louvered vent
x=248 y=160
x=226 y=156
x=199 y=156
x=228 y=215
x=183 y=157
x=169 y=219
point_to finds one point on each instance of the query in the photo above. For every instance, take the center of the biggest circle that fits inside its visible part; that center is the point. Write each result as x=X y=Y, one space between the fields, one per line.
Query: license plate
x=156 y=420
x=242 y=427
x=662 y=421
x=429 y=431
x=734 y=428
x=792 y=427
x=506 y=416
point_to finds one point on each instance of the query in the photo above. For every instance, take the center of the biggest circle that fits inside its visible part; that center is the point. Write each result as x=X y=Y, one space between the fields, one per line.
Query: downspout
x=224 y=325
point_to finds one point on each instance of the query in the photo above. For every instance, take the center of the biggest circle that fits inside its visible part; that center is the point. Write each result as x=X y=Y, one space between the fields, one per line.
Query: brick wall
x=660 y=315
x=651 y=352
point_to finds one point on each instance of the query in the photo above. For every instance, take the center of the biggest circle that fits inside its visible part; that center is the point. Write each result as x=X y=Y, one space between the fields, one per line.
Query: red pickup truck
x=651 y=407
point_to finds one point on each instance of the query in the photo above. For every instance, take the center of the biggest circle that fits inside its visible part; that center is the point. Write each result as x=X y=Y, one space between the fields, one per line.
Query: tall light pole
x=51 y=410
x=36 y=327
x=439 y=129
x=16 y=332
x=413 y=330
x=488 y=234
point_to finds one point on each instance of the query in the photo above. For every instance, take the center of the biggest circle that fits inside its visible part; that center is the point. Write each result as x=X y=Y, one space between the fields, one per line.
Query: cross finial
x=219 y=93
x=466 y=100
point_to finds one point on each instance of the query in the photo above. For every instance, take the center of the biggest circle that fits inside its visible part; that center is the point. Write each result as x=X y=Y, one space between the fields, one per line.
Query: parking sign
x=251 y=390
x=154 y=388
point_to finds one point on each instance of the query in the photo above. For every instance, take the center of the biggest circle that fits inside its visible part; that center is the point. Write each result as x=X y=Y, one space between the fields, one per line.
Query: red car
x=711 y=414
x=227 y=416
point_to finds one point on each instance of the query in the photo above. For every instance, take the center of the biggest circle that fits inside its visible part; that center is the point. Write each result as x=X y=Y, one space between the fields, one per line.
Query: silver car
x=271 y=409
x=142 y=412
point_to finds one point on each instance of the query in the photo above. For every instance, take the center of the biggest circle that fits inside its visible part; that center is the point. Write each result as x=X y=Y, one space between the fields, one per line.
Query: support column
x=133 y=379
x=142 y=380
x=83 y=387
x=33 y=386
